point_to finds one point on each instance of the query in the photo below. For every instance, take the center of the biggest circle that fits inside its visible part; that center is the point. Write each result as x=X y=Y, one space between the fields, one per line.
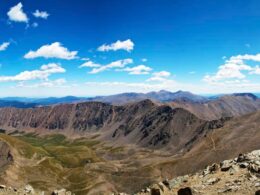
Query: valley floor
x=82 y=166
x=89 y=166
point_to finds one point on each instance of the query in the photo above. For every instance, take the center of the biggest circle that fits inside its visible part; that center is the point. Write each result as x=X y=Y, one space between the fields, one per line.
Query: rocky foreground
x=28 y=189
x=236 y=176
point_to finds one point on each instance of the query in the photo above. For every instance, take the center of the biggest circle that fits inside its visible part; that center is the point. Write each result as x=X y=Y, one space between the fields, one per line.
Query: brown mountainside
x=159 y=141
x=225 y=106
x=143 y=123
x=238 y=135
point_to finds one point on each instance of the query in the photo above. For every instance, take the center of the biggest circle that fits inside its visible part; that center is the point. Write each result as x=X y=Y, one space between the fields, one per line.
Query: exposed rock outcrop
x=227 y=176
x=5 y=154
x=29 y=190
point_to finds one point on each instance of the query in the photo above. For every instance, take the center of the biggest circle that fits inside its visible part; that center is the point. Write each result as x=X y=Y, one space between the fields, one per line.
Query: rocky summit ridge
x=240 y=175
x=28 y=189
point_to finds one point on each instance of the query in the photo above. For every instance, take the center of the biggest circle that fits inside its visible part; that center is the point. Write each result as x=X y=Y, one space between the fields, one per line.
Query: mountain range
x=222 y=106
x=117 y=139
x=166 y=120
x=118 y=99
x=145 y=123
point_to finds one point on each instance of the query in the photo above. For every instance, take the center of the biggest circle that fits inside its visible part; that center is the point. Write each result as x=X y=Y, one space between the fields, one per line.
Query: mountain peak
x=164 y=91
x=251 y=95
x=180 y=91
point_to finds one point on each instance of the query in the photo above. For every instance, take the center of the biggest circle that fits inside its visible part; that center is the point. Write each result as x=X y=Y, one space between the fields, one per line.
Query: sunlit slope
x=51 y=161
x=81 y=165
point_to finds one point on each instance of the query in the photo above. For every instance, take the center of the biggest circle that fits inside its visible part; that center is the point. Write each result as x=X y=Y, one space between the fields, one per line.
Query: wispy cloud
x=160 y=76
x=85 y=59
x=192 y=72
x=137 y=70
x=127 y=45
x=41 y=14
x=54 y=50
x=90 y=64
x=255 y=70
x=35 y=24
x=115 y=64
x=135 y=86
x=49 y=83
x=247 y=45
x=4 y=46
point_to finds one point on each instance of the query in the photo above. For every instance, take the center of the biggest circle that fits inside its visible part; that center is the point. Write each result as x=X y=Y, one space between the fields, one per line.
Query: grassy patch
x=56 y=160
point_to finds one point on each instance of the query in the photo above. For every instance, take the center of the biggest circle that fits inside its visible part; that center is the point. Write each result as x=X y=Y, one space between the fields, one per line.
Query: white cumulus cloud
x=127 y=45
x=17 y=14
x=4 y=46
x=234 y=68
x=43 y=73
x=54 y=50
x=41 y=14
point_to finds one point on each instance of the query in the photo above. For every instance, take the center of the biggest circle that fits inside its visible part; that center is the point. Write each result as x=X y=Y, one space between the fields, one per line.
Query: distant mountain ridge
x=122 y=98
x=223 y=106
x=251 y=95
x=208 y=108
x=16 y=104
x=160 y=96
x=23 y=102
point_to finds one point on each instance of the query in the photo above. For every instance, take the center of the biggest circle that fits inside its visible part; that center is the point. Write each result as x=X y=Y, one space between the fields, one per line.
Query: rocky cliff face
x=6 y=157
x=82 y=117
x=143 y=123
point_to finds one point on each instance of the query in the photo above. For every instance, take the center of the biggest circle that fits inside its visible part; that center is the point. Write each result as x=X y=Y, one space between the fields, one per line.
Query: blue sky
x=98 y=47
